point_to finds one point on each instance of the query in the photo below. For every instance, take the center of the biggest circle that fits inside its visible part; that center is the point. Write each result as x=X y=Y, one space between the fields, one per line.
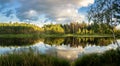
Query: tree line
x=72 y=28
x=79 y=28
x=19 y=28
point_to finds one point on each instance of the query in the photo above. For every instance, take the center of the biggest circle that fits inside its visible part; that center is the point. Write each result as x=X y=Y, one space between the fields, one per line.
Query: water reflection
x=54 y=41
x=19 y=41
x=64 y=51
x=72 y=41
x=69 y=48
x=75 y=42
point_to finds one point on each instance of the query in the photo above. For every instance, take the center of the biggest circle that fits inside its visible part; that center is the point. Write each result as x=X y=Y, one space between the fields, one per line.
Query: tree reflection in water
x=72 y=41
x=75 y=42
x=19 y=41
x=69 y=47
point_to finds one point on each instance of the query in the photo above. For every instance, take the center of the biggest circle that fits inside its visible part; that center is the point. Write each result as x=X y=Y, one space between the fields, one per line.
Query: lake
x=69 y=47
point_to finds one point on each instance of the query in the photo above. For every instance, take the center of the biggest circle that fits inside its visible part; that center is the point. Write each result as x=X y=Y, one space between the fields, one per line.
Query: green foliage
x=19 y=28
x=83 y=28
x=53 y=29
x=108 y=58
x=103 y=11
x=79 y=31
x=117 y=33
x=88 y=60
x=72 y=28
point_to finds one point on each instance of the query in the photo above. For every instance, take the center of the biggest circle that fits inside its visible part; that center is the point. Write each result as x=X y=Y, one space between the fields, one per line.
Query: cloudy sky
x=44 y=11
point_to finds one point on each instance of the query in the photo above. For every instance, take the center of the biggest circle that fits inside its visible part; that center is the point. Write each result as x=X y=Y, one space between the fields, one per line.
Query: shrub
x=108 y=58
x=88 y=60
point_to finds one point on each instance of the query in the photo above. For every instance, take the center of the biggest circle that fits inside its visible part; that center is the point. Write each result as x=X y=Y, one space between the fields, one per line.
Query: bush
x=88 y=60
x=109 y=58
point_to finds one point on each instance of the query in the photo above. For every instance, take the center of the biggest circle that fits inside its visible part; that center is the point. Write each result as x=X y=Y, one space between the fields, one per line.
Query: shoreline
x=52 y=35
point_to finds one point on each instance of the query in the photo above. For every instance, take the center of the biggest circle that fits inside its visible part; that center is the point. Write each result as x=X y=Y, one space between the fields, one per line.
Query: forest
x=72 y=28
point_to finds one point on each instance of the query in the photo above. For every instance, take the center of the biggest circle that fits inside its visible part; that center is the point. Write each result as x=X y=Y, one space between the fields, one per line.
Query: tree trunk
x=115 y=40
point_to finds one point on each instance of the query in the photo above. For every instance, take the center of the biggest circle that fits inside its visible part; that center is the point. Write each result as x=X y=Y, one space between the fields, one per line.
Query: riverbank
x=109 y=58
x=50 y=35
x=31 y=59
x=77 y=35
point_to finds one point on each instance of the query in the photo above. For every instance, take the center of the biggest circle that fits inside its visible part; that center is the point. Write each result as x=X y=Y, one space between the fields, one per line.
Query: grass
x=75 y=35
x=31 y=59
x=19 y=35
x=109 y=58
x=50 y=35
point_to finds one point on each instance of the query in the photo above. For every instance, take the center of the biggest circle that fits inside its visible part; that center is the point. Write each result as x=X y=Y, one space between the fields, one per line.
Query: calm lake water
x=69 y=47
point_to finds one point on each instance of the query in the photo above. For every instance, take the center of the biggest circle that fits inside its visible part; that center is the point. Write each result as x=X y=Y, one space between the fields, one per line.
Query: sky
x=44 y=11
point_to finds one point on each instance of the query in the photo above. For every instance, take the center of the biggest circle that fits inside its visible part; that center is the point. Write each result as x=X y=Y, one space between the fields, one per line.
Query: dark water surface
x=69 y=47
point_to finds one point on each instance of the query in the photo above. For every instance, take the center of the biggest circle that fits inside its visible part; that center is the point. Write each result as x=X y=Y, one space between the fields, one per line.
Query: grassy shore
x=76 y=35
x=31 y=59
x=20 y=35
x=49 y=35
x=109 y=58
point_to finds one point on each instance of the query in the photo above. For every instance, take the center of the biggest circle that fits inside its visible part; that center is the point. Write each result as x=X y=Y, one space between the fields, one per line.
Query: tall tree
x=104 y=11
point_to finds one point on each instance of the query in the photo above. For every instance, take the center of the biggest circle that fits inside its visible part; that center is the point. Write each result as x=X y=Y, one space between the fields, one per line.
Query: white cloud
x=55 y=10
x=86 y=2
x=31 y=13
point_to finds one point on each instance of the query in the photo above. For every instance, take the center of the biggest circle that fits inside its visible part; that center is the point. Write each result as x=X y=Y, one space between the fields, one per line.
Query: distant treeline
x=19 y=28
x=72 y=28
x=80 y=28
